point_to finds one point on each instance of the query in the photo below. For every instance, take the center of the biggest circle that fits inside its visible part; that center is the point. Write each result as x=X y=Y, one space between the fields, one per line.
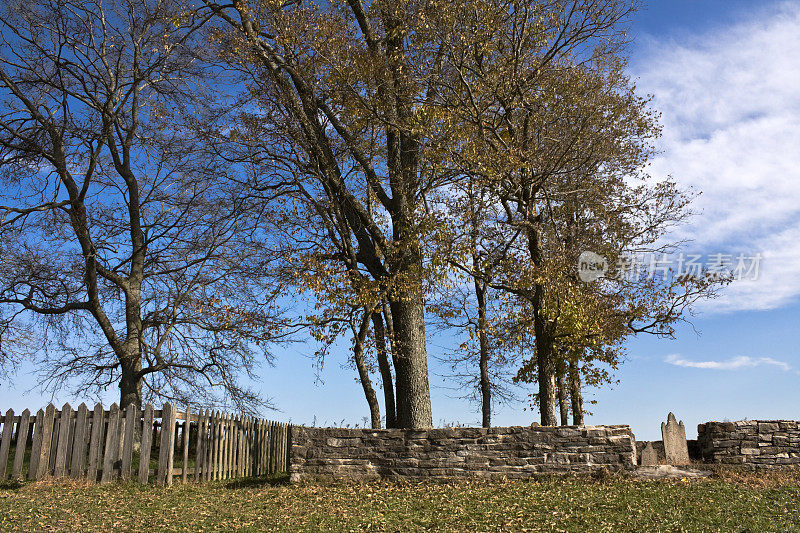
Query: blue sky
x=725 y=76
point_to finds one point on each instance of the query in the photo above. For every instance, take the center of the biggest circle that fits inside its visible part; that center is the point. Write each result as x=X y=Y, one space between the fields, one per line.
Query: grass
x=729 y=501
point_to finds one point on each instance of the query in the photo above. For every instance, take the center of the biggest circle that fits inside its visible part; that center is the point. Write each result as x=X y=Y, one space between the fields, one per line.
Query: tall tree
x=368 y=112
x=339 y=88
x=141 y=267
x=555 y=133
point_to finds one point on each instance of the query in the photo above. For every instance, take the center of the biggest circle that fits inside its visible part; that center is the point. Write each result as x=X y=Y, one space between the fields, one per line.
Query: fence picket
x=131 y=420
x=210 y=445
x=274 y=445
x=78 y=460
x=209 y=471
x=22 y=444
x=146 y=445
x=54 y=442
x=262 y=453
x=62 y=443
x=217 y=445
x=96 y=442
x=278 y=434
x=212 y=423
x=223 y=447
x=234 y=445
x=199 y=446
x=36 y=445
x=167 y=450
x=246 y=436
x=5 y=441
x=112 y=444
x=228 y=446
x=284 y=427
x=249 y=439
x=281 y=435
x=256 y=446
x=223 y=440
x=263 y=445
x=70 y=441
x=187 y=426
x=241 y=445
x=43 y=459
x=245 y=446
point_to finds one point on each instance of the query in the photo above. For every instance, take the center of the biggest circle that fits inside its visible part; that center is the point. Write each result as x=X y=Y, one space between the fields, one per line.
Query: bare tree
x=123 y=243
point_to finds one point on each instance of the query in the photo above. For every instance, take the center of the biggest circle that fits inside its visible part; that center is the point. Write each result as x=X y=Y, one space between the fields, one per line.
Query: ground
x=727 y=501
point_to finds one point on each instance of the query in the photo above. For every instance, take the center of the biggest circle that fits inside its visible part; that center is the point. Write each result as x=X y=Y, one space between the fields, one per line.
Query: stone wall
x=755 y=443
x=512 y=452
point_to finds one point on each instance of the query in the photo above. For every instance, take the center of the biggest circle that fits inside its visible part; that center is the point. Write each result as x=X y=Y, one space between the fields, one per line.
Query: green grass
x=729 y=501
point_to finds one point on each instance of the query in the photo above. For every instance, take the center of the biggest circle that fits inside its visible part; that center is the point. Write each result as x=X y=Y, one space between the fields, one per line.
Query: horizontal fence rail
x=146 y=445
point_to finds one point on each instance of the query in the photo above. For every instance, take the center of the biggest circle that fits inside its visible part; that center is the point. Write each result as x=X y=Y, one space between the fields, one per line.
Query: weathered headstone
x=674 y=435
x=649 y=455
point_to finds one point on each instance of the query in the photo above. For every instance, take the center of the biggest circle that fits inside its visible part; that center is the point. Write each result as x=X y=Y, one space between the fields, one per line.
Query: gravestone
x=674 y=435
x=649 y=455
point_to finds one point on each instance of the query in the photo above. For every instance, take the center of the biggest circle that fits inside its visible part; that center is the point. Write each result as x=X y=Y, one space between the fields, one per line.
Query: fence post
x=167 y=451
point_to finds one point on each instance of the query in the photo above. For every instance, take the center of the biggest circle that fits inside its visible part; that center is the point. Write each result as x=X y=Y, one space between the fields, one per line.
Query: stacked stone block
x=754 y=443
x=494 y=453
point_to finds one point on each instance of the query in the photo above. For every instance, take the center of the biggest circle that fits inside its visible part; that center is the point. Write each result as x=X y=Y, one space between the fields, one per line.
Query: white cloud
x=734 y=363
x=731 y=116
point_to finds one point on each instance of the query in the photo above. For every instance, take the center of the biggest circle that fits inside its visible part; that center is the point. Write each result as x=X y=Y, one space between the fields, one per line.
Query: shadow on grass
x=11 y=484
x=271 y=480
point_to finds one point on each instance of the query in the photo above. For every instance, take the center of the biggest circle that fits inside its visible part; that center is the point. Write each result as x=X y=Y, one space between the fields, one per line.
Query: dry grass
x=729 y=501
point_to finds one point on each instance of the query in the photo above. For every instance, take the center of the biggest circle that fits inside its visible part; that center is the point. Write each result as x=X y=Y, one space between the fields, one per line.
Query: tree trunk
x=411 y=362
x=544 y=339
x=130 y=384
x=384 y=368
x=562 y=392
x=575 y=393
x=483 y=362
x=363 y=373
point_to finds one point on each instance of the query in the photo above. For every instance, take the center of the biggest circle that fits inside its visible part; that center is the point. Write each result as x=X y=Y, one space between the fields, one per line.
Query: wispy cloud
x=731 y=116
x=734 y=363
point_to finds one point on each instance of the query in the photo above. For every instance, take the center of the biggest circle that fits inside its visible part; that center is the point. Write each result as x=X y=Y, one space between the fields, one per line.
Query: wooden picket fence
x=140 y=444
